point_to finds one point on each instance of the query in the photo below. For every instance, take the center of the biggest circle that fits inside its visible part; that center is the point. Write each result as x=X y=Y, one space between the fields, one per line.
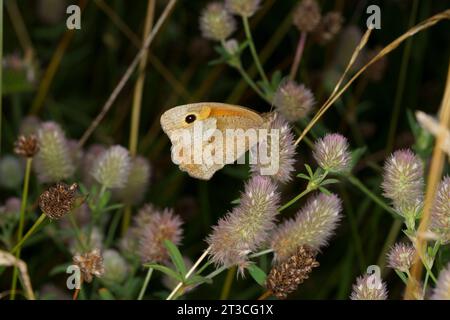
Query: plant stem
x=228 y=282
x=20 y=29
x=113 y=227
x=253 y=51
x=126 y=219
x=251 y=83
x=128 y=73
x=146 y=281
x=265 y=295
x=137 y=101
x=139 y=86
x=429 y=272
x=291 y=202
x=95 y=215
x=23 y=206
x=78 y=232
x=357 y=183
x=29 y=233
x=298 y=55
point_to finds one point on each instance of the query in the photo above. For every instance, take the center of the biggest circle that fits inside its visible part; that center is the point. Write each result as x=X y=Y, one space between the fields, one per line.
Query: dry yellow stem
x=8 y=260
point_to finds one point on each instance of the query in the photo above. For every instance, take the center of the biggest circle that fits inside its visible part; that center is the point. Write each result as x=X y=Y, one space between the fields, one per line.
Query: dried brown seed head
x=286 y=276
x=58 y=200
x=90 y=264
x=26 y=146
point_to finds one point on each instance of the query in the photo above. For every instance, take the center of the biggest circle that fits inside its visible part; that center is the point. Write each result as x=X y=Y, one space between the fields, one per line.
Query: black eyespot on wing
x=190 y=118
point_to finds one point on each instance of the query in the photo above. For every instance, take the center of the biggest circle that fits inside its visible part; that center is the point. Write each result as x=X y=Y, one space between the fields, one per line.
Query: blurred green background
x=178 y=72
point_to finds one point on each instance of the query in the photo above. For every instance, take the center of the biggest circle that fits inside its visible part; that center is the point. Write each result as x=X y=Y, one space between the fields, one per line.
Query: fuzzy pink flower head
x=313 y=225
x=369 y=287
x=403 y=182
x=440 y=213
x=160 y=226
x=112 y=168
x=286 y=154
x=53 y=162
x=401 y=257
x=244 y=8
x=293 y=101
x=136 y=185
x=247 y=226
x=307 y=15
x=332 y=153
x=442 y=289
x=216 y=23
x=90 y=157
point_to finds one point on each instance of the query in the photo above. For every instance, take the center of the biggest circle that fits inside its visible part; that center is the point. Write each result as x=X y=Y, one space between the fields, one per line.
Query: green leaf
x=236 y=201
x=113 y=207
x=83 y=188
x=15 y=82
x=165 y=270
x=243 y=45
x=59 y=269
x=303 y=176
x=402 y=276
x=196 y=279
x=276 y=79
x=325 y=191
x=308 y=168
x=217 y=61
x=257 y=274
x=329 y=181
x=105 y=294
x=415 y=127
x=176 y=257
x=356 y=155
x=106 y=196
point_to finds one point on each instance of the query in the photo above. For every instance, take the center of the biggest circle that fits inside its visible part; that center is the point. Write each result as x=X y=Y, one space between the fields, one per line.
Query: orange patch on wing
x=234 y=112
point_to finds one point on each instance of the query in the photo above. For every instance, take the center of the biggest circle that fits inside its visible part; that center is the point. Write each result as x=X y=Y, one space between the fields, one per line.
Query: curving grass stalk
x=128 y=73
x=137 y=102
x=434 y=176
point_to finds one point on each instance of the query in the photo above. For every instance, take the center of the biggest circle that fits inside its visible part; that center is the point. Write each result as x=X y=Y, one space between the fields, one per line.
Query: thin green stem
x=428 y=268
x=227 y=284
x=221 y=269
x=113 y=227
x=95 y=215
x=216 y=272
x=29 y=233
x=357 y=183
x=251 y=83
x=23 y=206
x=78 y=233
x=298 y=197
x=253 y=51
x=145 y=285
